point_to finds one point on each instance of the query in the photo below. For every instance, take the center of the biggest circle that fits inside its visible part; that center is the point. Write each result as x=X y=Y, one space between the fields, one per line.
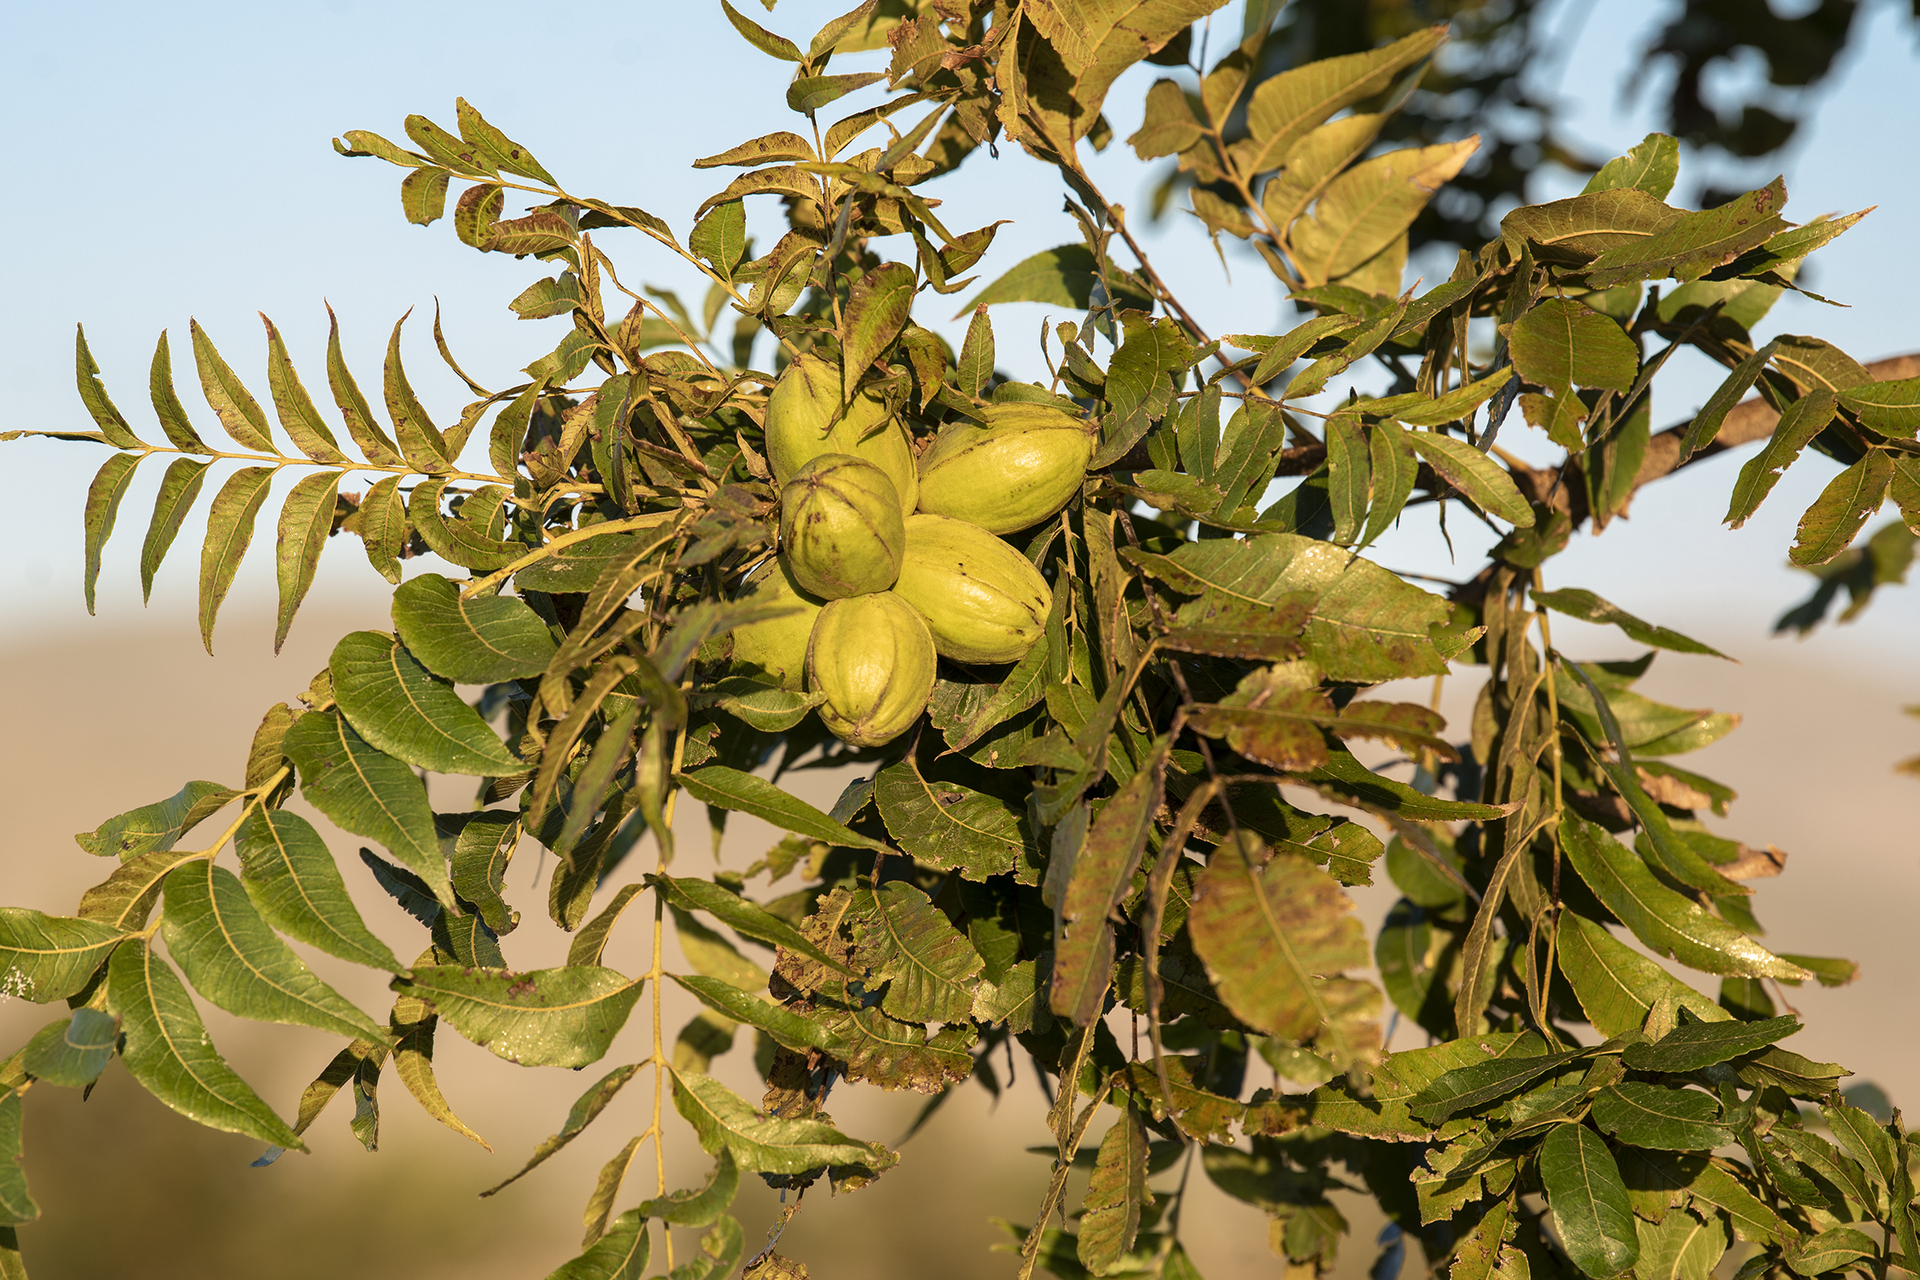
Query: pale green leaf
x=545 y=1018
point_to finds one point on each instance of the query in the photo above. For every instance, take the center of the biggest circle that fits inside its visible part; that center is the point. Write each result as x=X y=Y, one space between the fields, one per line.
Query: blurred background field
x=182 y=155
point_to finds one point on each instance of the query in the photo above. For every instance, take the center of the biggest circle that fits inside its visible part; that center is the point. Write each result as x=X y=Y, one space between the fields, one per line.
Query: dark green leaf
x=179 y=487
x=744 y=917
x=103 y=505
x=367 y=792
x=1706 y=423
x=952 y=827
x=1652 y=1115
x=723 y=788
x=383 y=526
x=1061 y=277
x=234 y=958
x=1560 y=343
x=1471 y=1087
x=579 y=1116
x=403 y=709
x=483 y=843
x=1799 y=423
x=296 y=885
x=72 y=1052
x=1695 y=1045
x=229 y=531
x=702 y=1207
x=16 y=1205
x=901 y=938
x=591 y=942
x=1474 y=475
x=1615 y=984
x=1116 y=1193
x=1831 y=1250
x=1576 y=602
x=168 y=1051
x=1591 y=1212
x=45 y=957
x=546 y=1018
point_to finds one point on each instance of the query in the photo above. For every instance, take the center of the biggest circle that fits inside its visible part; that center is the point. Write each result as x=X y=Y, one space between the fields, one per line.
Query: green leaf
x=742 y=916
x=943 y=824
x=809 y=93
x=1652 y=1115
x=45 y=957
x=1799 y=423
x=168 y=1051
x=1654 y=1173
x=876 y=308
x=93 y=394
x=1275 y=939
x=975 y=369
x=786 y=1027
x=495 y=148
x=1573 y=232
x=361 y=424
x=1682 y=1246
x=294 y=407
x=702 y=1207
x=759 y=37
x=1285 y=107
x=1831 y=1250
x=1591 y=1212
x=1670 y=923
x=1474 y=475
x=1651 y=167
x=229 y=531
x=1062 y=277
x=1866 y=1141
x=590 y=943
x=620 y=1254
x=483 y=844
x=420 y=443
x=423 y=195
x=1350 y=475
x=414 y=1022
x=1577 y=602
x=721 y=236
x=16 y=1205
x=1560 y=343
x=234 y=958
x=71 y=1052
x=296 y=885
x=403 y=709
x=1695 y=1045
x=306 y=521
x=720 y=787
x=1116 y=1193
x=229 y=398
x=1367 y=624
x=724 y=1122
x=179 y=487
x=546 y=1018
x=1891 y=408
x=1345 y=778
x=1467 y=1089
x=367 y=792
x=901 y=938
x=1098 y=876
x=579 y=1116
x=1368 y=207
x=103 y=506
x=1097 y=42
x=1695 y=243
x=154 y=828
x=1842 y=508
x=1615 y=984
x=383 y=526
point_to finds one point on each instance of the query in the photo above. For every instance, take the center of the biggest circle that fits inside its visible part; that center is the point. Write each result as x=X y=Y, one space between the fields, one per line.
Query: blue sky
x=173 y=161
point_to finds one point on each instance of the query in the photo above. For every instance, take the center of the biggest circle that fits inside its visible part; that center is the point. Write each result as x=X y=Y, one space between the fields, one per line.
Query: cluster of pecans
x=892 y=558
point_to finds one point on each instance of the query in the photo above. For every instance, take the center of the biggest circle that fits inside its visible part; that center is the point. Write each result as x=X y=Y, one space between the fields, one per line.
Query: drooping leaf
x=229 y=532
x=1617 y=985
x=103 y=506
x=620 y=1254
x=483 y=844
x=367 y=792
x=295 y=884
x=93 y=394
x=1474 y=475
x=1116 y=1193
x=1098 y=877
x=1559 y=343
x=548 y=1017
x=1275 y=938
x=1664 y=1119
x=702 y=1206
x=1695 y=1045
x=179 y=488
x=71 y=1052
x=168 y=1051
x=1591 y=1212
x=1667 y=921
x=744 y=917
x=1799 y=423
x=45 y=957
x=784 y=1026
x=900 y=937
x=875 y=311
x=306 y=520
x=590 y=943
x=724 y=1122
x=1471 y=1087
x=16 y=1205
x=725 y=788
x=1842 y=509
x=413 y=1021
x=587 y=1106
x=405 y=710
x=234 y=958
